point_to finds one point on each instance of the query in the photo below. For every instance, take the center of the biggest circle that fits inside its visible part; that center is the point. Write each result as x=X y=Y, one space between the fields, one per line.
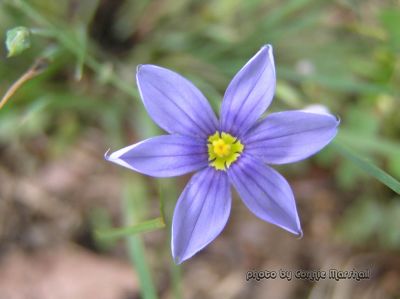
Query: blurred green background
x=56 y=191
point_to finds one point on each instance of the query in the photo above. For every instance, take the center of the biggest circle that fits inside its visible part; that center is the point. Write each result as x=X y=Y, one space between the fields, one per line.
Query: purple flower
x=232 y=151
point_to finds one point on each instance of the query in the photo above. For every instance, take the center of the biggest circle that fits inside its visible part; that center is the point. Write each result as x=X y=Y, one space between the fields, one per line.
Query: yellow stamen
x=223 y=150
x=220 y=148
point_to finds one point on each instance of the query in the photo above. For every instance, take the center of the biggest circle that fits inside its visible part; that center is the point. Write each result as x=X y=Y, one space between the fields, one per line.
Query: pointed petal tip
x=335 y=118
x=266 y=50
x=142 y=67
x=267 y=47
x=139 y=66
x=107 y=155
x=114 y=157
x=295 y=229
x=335 y=122
x=300 y=234
x=321 y=110
x=269 y=51
x=338 y=120
x=181 y=257
x=177 y=259
x=111 y=157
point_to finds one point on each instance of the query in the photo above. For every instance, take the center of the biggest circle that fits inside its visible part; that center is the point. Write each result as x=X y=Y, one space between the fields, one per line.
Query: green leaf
x=167 y=195
x=17 y=40
x=369 y=167
x=81 y=38
x=142 y=227
x=134 y=198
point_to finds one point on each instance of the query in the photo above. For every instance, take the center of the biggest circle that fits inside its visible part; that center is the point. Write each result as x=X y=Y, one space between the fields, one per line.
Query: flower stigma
x=223 y=150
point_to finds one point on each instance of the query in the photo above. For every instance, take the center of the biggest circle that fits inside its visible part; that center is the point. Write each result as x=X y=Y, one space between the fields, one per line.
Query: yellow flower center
x=220 y=148
x=223 y=150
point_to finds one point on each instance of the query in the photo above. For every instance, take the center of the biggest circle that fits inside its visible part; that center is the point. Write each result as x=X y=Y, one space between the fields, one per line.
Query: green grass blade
x=136 y=253
x=81 y=54
x=168 y=194
x=142 y=227
x=134 y=198
x=369 y=167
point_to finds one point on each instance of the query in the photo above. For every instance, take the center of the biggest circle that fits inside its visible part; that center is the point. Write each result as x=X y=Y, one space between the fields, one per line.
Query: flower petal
x=290 y=136
x=249 y=94
x=174 y=103
x=201 y=213
x=163 y=156
x=265 y=192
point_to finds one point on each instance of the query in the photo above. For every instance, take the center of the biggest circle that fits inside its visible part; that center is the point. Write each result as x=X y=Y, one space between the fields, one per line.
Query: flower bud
x=18 y=40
